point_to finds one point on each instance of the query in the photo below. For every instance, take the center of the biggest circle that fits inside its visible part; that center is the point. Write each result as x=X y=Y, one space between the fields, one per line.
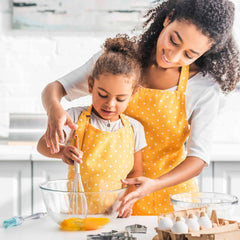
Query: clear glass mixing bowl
x=224 y=204
x=102 y=204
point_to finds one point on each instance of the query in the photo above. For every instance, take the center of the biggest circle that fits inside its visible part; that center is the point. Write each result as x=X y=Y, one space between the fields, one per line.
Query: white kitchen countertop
x=220 y=152
x=22 y=152
x=47 y=229
x=15 y=152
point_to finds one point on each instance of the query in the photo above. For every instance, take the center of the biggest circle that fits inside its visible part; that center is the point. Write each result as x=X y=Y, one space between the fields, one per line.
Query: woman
x=188 y=57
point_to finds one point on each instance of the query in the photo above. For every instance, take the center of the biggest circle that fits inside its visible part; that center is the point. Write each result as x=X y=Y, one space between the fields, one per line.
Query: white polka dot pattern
x=104 y=161
x=163 y=115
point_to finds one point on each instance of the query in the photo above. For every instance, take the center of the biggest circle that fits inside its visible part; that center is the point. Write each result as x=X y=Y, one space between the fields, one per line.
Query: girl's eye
x=121 y=100
x=172 y=41
x=102 y=96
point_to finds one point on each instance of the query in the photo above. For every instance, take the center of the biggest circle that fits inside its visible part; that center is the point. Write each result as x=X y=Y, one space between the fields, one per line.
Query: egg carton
x=222 y=229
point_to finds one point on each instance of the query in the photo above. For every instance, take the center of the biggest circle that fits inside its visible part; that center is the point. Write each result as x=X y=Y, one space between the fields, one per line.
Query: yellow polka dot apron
x=163 y=115
x=107 y=158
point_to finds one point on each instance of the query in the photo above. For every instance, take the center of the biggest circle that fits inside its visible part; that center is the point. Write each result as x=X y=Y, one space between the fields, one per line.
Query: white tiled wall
x=31 y=59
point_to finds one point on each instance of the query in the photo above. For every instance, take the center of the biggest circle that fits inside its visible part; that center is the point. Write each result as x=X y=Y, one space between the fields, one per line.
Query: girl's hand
x=144 y=186
x=57 y=118
x=71 y=154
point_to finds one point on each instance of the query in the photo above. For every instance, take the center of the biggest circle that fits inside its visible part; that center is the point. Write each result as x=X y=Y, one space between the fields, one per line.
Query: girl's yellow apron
x=163 y=115
x=107 y=158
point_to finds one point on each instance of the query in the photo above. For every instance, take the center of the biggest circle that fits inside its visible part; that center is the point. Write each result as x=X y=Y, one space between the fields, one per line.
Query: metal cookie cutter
x=136 y=228
x=113 y=235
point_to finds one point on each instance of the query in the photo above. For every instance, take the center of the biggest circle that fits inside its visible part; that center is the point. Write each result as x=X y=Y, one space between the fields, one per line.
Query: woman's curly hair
x=214 y=18
x=120 y=56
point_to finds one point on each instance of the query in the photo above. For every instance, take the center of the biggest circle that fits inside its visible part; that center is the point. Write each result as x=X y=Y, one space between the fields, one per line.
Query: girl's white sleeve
x=76 y=82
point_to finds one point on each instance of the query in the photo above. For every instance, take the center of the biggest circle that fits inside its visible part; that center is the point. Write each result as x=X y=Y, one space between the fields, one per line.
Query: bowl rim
x=66 y=191
x=234 y=201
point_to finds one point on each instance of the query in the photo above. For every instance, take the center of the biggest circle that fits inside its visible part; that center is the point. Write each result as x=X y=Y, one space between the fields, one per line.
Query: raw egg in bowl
x=82 y=211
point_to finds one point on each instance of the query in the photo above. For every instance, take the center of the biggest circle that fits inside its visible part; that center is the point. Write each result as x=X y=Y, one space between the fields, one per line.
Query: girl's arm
x=137 y=169
x=67 y=153
x=46 y=151
x=189 y=168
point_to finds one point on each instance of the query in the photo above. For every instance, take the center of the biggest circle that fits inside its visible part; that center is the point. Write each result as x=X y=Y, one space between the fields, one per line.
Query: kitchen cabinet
x=226 y=177
x=43 y=171
x=221 y=176
x=22 y=170
x=205 y=179
x=16 y=188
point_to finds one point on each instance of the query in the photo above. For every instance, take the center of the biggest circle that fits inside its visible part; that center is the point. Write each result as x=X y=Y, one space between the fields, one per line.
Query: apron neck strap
x=82 y=123
x=124 y=120
x=182 y=86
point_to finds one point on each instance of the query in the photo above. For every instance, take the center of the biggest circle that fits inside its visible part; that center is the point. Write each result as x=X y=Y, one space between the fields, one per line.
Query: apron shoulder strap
x=125 y=121
x=182 y=86
x=82 y=123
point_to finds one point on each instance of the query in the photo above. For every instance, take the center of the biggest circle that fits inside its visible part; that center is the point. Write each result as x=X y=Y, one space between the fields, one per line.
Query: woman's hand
x=144 y=186
x=57 y=118
x=127 y=212
x=70 y=154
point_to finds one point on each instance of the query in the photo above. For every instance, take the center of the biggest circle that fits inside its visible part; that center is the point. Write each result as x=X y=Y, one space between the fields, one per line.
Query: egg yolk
x=86 y=224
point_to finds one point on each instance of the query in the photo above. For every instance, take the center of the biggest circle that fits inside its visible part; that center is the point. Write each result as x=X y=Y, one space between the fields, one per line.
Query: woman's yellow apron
x=163 y=115
x=107 y=158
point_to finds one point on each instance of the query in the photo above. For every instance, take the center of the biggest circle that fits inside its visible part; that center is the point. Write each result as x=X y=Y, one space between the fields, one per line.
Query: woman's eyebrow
x=180 y=39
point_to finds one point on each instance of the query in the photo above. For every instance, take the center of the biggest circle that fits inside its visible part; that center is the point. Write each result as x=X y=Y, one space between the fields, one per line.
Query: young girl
x=188 y=57
x=111 y=142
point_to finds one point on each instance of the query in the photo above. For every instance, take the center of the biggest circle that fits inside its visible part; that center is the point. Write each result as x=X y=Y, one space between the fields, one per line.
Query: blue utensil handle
x=12 y=222
x=15 y=221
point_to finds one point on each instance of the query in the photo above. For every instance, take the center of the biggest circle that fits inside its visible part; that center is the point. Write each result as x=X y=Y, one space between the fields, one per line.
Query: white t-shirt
x=108 y=126
x=202 y=105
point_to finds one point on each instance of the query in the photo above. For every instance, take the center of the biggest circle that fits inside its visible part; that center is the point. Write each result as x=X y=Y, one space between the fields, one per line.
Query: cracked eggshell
x=165 y=223
x=179 y=226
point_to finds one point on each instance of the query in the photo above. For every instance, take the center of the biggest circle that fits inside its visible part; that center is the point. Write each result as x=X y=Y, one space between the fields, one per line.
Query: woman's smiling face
x=180 y=43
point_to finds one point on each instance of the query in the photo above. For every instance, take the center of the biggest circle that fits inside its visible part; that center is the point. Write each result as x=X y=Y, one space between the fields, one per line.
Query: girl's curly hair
x=214 y=18
x=120 y=56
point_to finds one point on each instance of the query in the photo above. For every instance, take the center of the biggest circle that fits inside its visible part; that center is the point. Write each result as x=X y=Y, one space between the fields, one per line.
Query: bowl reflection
x=223 y=203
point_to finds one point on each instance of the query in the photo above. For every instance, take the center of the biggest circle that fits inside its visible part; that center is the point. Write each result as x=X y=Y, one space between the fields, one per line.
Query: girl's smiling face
x=180 y=43
x=111 y=94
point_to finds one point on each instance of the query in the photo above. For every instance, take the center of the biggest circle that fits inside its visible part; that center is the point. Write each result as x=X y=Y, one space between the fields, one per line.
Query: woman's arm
x=73 y=85
x=57 y=116
x=189 y=168
x=52 y=94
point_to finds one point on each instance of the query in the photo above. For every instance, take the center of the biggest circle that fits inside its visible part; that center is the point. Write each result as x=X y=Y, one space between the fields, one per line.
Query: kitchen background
x=29 y=59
